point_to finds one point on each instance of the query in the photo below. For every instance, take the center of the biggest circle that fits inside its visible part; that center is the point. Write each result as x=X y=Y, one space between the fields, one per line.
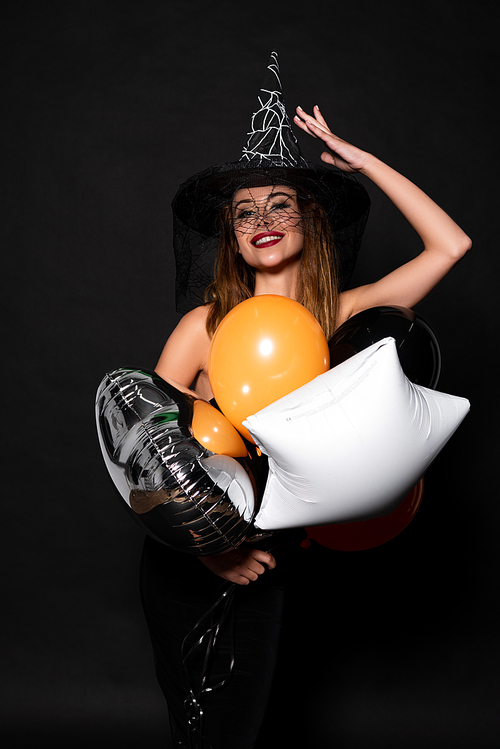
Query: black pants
x=177 y=590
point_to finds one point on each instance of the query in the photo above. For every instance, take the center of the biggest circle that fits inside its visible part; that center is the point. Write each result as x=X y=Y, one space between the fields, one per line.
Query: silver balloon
x=180 y=493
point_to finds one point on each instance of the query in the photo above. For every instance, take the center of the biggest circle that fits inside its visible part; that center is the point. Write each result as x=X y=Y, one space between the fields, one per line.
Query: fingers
x=252 y=564
x=320 y=117
x=303 y=120
x=328 y=158
x=340 y=153
x=317 y=121
x=242 y=566
x=255 y=562
x=264 y=557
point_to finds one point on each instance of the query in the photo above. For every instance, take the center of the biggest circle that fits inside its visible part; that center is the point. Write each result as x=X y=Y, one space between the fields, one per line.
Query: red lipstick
x=269 y=243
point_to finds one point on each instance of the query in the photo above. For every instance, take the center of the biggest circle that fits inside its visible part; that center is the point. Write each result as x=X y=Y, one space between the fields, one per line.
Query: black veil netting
x=270 y=157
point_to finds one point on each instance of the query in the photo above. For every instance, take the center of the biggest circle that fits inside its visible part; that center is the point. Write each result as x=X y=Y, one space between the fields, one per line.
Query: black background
x=110 y=105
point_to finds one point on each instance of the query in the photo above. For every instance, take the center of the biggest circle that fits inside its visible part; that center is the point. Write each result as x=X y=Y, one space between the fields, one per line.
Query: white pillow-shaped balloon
x=351 y=443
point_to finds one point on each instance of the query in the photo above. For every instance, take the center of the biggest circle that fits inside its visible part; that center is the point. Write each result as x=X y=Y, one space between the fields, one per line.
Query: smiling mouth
x=267 y=238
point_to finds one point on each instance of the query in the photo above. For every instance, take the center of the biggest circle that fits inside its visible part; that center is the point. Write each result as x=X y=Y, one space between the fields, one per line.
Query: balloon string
x=206 y=630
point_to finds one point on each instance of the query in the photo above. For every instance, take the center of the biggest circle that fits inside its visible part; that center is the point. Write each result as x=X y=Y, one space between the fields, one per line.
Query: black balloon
x=178 y=491
x=416 y=343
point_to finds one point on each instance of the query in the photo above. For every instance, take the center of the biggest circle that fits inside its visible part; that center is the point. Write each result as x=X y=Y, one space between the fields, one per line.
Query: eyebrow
x=266 y=197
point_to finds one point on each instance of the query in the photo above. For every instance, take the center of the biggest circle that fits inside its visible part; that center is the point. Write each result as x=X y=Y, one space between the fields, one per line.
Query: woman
x=276 y=265
x=268 y=240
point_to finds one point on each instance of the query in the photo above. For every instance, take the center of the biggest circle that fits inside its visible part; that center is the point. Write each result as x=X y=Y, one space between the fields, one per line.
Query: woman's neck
x=283 y=282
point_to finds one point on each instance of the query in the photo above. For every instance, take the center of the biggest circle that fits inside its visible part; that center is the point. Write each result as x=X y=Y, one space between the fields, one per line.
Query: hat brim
x=200 y=199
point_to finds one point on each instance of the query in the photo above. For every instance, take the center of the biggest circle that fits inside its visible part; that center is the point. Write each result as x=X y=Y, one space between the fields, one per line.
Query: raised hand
x=444 y=242
x=341 y=154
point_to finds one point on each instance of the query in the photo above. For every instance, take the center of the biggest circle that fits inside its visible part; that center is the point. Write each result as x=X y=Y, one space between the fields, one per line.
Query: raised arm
x=444 y=242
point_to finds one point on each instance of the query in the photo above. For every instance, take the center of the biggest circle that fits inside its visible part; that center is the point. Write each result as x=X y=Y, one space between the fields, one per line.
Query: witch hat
x=271 y=156
x=271 y=140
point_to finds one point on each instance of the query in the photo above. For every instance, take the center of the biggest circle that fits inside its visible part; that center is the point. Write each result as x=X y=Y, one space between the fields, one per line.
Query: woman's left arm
x=444 y=241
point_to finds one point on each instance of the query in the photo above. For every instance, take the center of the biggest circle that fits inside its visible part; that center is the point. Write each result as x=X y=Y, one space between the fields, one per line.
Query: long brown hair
x=318 y=282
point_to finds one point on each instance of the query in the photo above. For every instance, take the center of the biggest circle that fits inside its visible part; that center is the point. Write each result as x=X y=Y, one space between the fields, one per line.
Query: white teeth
x=265 y=240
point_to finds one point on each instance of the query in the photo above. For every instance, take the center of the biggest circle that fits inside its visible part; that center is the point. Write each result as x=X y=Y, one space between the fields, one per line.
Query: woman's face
x=267 y=224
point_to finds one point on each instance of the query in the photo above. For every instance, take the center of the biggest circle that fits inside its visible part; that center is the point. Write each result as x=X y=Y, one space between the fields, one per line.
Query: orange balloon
x=212 y=430
x=264 y=348
x=366 y=534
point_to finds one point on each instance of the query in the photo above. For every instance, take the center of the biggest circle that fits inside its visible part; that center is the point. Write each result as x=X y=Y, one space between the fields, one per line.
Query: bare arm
x=185 y=355
x=184 y=359
x=444 y=243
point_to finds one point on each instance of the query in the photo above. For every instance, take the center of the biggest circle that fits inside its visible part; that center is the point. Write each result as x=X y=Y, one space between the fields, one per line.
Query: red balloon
x=366 y=534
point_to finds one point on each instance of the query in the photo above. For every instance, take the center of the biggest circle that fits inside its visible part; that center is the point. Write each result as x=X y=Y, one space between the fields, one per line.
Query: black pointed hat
x=271 y=156
x=271 y=141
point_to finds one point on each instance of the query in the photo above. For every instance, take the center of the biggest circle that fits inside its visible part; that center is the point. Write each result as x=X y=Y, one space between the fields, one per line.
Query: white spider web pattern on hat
x=271 y=139
x=271 y=156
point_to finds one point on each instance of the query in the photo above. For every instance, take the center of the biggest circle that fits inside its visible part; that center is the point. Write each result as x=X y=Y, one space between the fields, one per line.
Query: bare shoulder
x=186 y=352
x=195 y=322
